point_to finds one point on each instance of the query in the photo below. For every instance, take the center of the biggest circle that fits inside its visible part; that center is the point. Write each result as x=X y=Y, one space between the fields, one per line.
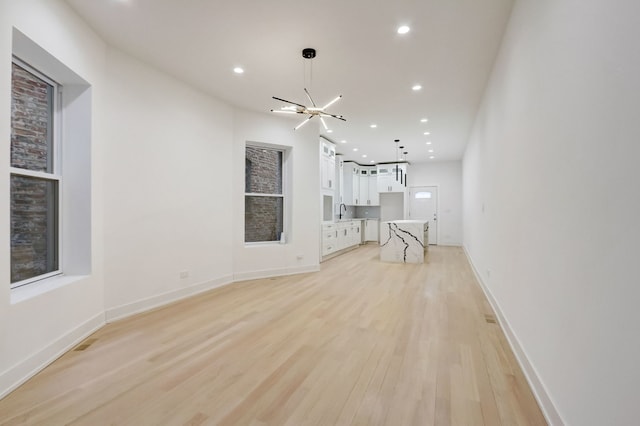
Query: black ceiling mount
x=308 y=53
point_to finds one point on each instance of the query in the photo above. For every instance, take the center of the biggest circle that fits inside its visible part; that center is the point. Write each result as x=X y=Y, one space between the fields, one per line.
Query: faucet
x=340 y=207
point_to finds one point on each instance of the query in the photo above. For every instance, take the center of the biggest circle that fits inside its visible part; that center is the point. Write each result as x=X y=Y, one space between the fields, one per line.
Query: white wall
x=447 y=176
x=166 y=194
x=37 y=326
x=301 y=251
x=551 y=203
x=167 y=190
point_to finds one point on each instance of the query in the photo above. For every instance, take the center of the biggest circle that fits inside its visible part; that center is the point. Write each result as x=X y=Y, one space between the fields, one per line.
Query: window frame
x=56 y=168
x=284 y=152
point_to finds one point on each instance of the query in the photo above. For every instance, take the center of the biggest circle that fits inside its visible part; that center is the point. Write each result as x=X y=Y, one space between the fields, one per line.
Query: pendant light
x=401 y=156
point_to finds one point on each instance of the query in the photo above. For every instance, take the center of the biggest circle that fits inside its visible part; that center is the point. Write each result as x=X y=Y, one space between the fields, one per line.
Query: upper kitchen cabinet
x=368 y=186
x=327 y=165
x=374 y=195
x=363 y=193
x=351 y=184
x=360 y=186
x=392 y=177
x=339 y=179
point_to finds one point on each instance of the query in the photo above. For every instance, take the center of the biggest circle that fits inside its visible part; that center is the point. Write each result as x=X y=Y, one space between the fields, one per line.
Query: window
x=50 y=227
x=264 y=195
x=422 y=195
x=35 y=180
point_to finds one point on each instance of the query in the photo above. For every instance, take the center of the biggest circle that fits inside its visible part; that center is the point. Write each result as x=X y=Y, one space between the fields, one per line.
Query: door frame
x=408 y=204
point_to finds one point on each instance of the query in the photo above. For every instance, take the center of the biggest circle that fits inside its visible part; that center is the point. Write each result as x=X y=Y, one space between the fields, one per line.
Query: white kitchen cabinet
x=363 y=179
x=360 y=186
x=328 y=165
x=329 y=239
x=339 y=197
x=371 y=229
x=374 y=195
x=349 y=234
x=351 y=186
x=340 y=236
x=356 y=232
x=355 y=186
x=392 y=177
x=368 y=194
x=343 y=235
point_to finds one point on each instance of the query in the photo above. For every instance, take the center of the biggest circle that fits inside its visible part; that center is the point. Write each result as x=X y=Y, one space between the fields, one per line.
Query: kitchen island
x=404 y=241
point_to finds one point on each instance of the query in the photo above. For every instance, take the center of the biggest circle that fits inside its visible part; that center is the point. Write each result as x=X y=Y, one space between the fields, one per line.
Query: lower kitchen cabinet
x=329 y=238
x=371 y=229
x=340 y=236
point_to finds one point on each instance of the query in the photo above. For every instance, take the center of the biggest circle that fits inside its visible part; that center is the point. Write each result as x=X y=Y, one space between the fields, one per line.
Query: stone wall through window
x=33 y=200
x=264 y=200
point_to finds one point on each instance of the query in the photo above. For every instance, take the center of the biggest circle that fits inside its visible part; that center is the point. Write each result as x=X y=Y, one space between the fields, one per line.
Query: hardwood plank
x=359 y=343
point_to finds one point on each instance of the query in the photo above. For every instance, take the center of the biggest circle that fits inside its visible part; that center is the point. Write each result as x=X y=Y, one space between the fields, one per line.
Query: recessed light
x=427 y=133
x=403 y=29
x=372 y=161
x=238 y=70
x=364 y=155
x=424 y=120
x=431 y=157
x=416 y=87
x=373 y=126
x=429 y=143
x=430 y=150
x=329 y=131
x=355 y=149
x=343 y=141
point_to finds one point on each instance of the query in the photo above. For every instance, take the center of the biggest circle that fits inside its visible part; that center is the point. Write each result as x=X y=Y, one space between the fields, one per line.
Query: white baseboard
x=143 y=305
x=268 y=273
x=23 y=371
x=539 y=391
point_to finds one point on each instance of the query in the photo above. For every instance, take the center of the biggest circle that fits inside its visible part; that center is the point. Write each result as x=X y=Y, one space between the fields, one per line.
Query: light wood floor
x=359 y=343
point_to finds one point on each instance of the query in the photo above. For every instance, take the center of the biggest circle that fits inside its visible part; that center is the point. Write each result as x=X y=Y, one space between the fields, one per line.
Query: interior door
x=423 y=205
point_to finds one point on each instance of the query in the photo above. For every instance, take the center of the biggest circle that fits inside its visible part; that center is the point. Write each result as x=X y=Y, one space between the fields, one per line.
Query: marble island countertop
x=408 y=221
x=404 y=241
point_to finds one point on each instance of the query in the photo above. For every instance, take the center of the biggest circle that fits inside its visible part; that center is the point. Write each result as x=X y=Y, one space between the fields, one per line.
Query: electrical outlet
x=184 y=274
x=300 y=257
x=488 y=273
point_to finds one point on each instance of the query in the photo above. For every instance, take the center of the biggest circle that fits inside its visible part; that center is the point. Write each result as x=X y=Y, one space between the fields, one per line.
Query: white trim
x=253 y=194
x=262 y=243
x=143 y=305
x=25 y=66
x=16 y=285
x=269 y=273
x=34 y=174
x=537 y=387
x=23 y=371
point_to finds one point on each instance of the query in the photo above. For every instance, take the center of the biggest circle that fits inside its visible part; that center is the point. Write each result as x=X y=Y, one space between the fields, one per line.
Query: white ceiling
x=449 y=51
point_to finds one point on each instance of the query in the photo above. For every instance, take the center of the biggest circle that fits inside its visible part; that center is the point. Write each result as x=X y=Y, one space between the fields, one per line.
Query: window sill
x=46 y=285
x=265 y=244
